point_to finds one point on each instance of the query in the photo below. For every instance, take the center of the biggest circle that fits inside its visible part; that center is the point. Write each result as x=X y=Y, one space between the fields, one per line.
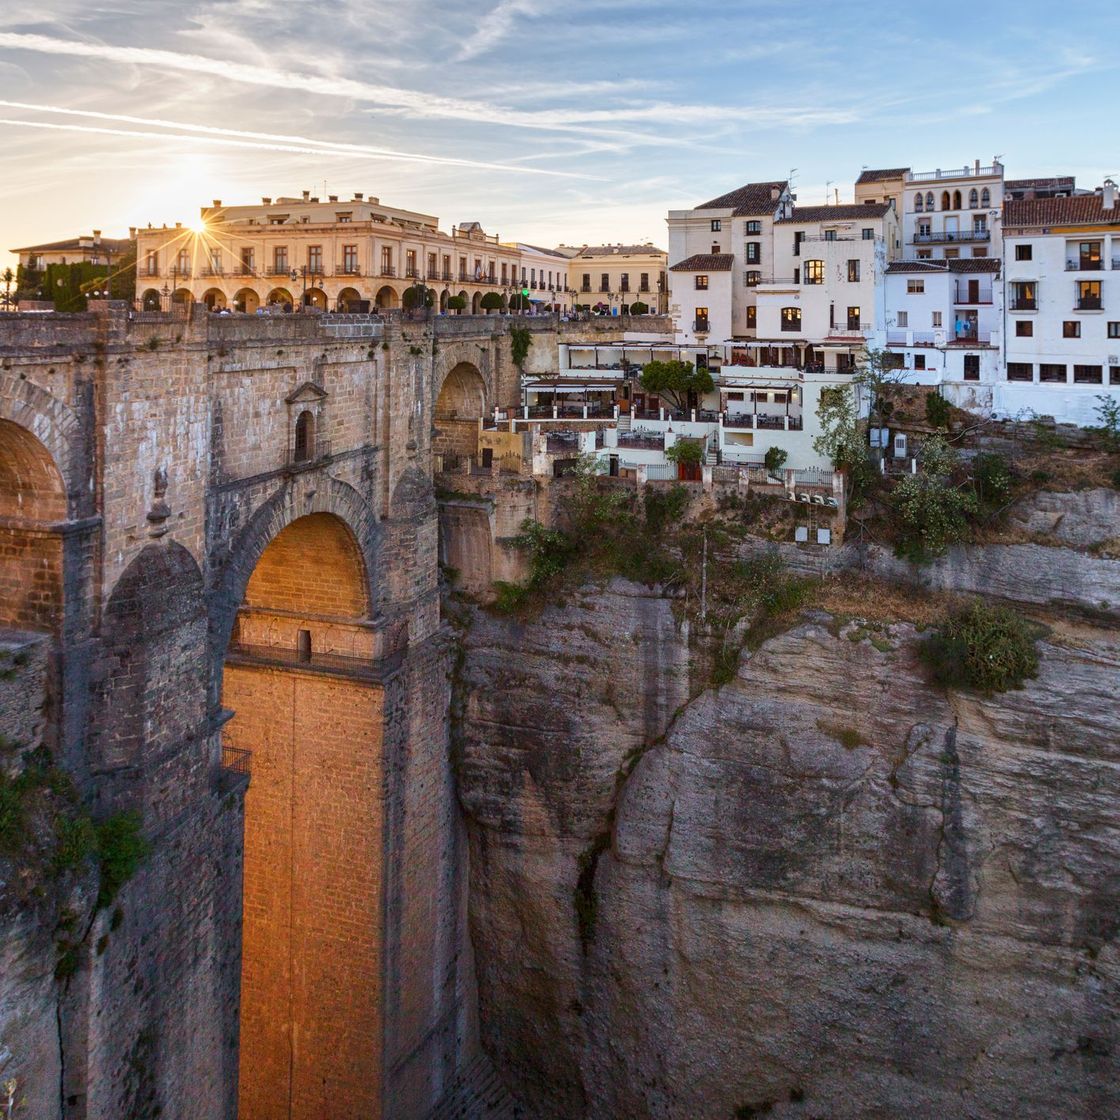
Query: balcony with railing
x=952 y=173
x=1086 y=264
x=411 y=273
x=183 y=272
x=701 y=326
x=948 y=236
x=348 y=270
x=1023 y=303
x=1088 y=303
x=388 y=270
x=850 y=329
x=972 y=293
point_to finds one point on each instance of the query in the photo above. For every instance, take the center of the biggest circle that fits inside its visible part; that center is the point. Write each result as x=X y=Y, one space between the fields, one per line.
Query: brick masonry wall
x=311 y=981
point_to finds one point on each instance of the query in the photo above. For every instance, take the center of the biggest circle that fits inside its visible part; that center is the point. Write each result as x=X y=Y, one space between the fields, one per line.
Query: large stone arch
x=307 y=493
x=154 y=645
x=460 y=389
x=55 y=426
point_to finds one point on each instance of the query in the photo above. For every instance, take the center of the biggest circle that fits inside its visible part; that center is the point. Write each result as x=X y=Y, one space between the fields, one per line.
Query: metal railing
x=701 y=326
x=1088 y=303
x=949 y=235
x=348 y=270
x=1024 y=305
x=236 y=760
x=1085 y=265
x=965 y=295
x=388 y=270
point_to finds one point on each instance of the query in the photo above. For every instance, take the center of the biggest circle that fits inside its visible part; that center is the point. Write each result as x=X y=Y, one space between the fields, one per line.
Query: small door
x=487 y=457
x=974 y=291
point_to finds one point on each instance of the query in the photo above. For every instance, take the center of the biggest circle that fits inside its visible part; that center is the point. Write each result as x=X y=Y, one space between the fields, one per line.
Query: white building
x=945 y=325
x=718 y=254
x=953 y=214
x=1063 y=305
x=826 y=299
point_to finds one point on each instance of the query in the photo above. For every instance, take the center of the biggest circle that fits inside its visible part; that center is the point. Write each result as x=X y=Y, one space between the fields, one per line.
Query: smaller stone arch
x=246 y=300
x=151 y=300
x=349 y=299
x=304 y=444
x=387 y=297
x=462 y=395
x=214 y=298
x=946 y=201
x=279 y=297
x=956 y=200
x=476 y=303
x=444 y=296
x=182 y=295
x=315 y=297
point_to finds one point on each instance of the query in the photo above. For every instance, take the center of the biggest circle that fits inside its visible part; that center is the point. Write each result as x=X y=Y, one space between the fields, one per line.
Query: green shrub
x=121 y=848
x=689 y=451
x=549 y=551
x=520 y=342
x=11 y=813
x=1116 y=479
x=76 y=842
x=987 y=648
x=639 y=308
x=991 y=479
x=509 y=598
x=775 y=459
x=665 y=508
x=1108 y=413
x=938 y=410
x=456 y=303
x=931 y=515
x=491 y=301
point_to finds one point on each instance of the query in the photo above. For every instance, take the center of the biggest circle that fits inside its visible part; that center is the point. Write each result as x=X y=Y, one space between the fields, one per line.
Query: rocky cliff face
x=828 y=889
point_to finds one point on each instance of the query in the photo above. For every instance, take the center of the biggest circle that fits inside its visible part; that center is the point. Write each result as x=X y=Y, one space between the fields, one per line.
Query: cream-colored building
x=617 y=276
x=334 y=254
x=93 y=249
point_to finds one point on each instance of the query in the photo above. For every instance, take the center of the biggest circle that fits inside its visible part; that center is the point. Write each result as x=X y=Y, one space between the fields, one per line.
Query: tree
x=984 y=647
x=842 y=441
x=8 y=277
x=1108 y=413
x=491 y=301
x=775 y=459
x=688 y=451
x=938 y=410
x=639 y=308
x=932 y=515
x=675 y=379
x=456 y=303
x=879 y=375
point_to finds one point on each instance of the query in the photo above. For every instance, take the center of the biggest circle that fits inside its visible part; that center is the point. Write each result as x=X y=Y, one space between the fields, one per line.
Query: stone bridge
x=224 y=531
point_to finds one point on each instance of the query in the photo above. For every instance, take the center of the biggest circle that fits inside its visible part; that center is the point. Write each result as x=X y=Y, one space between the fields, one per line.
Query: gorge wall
x=827 y=889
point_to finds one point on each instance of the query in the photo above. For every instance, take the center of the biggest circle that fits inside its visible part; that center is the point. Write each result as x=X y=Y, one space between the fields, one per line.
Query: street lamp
x=165 y=294
x=297 y=274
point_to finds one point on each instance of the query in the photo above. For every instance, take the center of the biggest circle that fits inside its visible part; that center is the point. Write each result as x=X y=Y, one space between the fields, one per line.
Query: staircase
x=477 y=1094
x=624 y=421
x=711 y=450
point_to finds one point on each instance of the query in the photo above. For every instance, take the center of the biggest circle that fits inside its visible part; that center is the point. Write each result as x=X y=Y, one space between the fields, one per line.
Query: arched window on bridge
x=305 y=437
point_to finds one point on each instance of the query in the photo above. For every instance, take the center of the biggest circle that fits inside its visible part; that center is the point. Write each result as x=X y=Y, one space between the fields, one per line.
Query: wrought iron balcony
x=388 y=270
x=952 y=235
x=1024 y=304
x=1088 y=303
x=1086 y=264
x=348 y=270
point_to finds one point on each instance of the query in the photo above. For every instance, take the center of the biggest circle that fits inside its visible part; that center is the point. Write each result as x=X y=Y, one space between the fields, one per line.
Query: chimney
x=217 y=204
x=332 y=198
x=977 y=166
x=358 y=196
x=266 y=201
x=132 y=233
x=97 y=237
x=774 y=193
x=306 y=196
x=178 y=225
x=1108 y=195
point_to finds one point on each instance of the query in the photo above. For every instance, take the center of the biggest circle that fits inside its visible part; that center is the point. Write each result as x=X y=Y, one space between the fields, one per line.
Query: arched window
x=305 y=437
x=946 y=202
x=985 y=197
x=973 y=199
x=929 y=201
x=918 y=202
x=956 y=200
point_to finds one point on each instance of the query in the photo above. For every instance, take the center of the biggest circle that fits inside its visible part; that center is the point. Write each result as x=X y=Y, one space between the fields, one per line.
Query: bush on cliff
x=988 y=648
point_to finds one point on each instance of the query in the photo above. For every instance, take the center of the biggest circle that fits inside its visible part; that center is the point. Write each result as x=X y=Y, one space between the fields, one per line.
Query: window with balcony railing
x=1024 y=296
x=813 y=272
x=1089 y=295
x=791 y=318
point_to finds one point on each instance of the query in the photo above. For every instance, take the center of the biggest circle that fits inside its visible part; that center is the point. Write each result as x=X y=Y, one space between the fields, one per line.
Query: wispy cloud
x=275 y=141
x=496 y=25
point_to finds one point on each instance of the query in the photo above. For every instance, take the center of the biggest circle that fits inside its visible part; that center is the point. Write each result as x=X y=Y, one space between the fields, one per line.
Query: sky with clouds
x=547 y=120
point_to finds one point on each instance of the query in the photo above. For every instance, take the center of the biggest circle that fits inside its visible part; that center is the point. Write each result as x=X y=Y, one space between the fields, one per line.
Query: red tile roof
x=881 y=174
x=838 y=213
x=112 y=244
x=749 y=200
x=1077 y=209
x=974 y=264
x=706 y=262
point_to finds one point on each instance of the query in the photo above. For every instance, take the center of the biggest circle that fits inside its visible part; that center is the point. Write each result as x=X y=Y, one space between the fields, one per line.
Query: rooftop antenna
x=827 y=191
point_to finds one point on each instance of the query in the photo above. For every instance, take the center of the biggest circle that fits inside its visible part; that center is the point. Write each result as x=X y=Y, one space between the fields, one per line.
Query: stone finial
x=160 y=511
